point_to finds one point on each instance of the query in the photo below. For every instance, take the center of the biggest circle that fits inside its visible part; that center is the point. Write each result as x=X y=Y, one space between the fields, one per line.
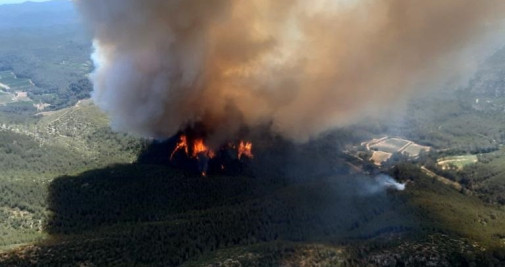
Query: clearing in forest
x=456 y=162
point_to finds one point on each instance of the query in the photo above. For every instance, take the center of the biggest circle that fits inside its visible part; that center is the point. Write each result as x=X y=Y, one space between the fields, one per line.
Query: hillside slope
x=148 y=215
x=36 y=150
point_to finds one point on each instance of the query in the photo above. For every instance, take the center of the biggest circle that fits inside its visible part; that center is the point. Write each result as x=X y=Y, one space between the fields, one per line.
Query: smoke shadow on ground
x=153 y=214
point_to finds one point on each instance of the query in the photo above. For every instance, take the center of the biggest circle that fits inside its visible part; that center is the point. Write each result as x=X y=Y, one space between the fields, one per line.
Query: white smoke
x=380 y=183
x=301 y=66
x=387 y=181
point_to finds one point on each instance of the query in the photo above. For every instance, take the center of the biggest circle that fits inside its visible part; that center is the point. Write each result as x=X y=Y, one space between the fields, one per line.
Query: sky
x=18 y=1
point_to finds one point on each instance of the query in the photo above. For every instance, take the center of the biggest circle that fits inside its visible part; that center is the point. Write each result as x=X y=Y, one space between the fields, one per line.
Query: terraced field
x=9 y=79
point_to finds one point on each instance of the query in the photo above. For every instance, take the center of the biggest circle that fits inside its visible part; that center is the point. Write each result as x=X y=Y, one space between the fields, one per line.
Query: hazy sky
x=18 y=1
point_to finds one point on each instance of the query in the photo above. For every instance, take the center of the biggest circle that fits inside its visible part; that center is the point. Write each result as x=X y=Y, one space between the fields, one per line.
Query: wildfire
x=200 y=148
x=245 y=149
x=182 y=144
x=197 y=149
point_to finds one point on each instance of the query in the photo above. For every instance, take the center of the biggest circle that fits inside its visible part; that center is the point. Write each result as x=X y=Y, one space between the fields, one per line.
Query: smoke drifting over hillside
x=302 y=67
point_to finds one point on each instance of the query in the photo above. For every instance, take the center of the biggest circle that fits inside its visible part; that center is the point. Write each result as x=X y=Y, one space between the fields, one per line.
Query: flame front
x=182 y=144
x=245 y=149
x=199 y=148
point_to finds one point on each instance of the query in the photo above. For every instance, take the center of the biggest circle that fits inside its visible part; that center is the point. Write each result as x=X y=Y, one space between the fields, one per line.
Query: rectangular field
x=391 y=145
x=458 y=162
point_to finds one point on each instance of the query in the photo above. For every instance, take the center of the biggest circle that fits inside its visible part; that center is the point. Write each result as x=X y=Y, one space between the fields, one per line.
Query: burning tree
x=197 y=149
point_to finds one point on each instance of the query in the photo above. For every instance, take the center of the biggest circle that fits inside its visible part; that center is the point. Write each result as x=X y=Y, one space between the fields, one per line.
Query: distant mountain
x=37 y=15
x=489 y=81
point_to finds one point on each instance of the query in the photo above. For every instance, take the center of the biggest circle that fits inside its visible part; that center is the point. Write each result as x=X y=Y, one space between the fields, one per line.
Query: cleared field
x=458 y=162
x=378 y=157
x=8 y=97
x=390 y=145
x=414 y=150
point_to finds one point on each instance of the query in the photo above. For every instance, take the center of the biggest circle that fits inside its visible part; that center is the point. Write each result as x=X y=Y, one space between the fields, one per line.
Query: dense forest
x=178 y=217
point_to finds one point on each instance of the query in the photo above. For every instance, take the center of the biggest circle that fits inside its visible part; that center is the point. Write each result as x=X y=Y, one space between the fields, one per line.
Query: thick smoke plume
x=300 y=66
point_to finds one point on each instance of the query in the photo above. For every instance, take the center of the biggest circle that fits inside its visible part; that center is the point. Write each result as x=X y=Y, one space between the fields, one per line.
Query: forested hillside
x=33 y=153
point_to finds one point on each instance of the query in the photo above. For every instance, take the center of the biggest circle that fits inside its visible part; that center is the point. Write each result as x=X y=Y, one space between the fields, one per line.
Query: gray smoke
x=301 y=66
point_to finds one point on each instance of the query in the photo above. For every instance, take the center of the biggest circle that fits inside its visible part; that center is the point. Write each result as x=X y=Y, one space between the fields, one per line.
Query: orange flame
x=245 y=149
x=199 y=147
x=182 y=144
